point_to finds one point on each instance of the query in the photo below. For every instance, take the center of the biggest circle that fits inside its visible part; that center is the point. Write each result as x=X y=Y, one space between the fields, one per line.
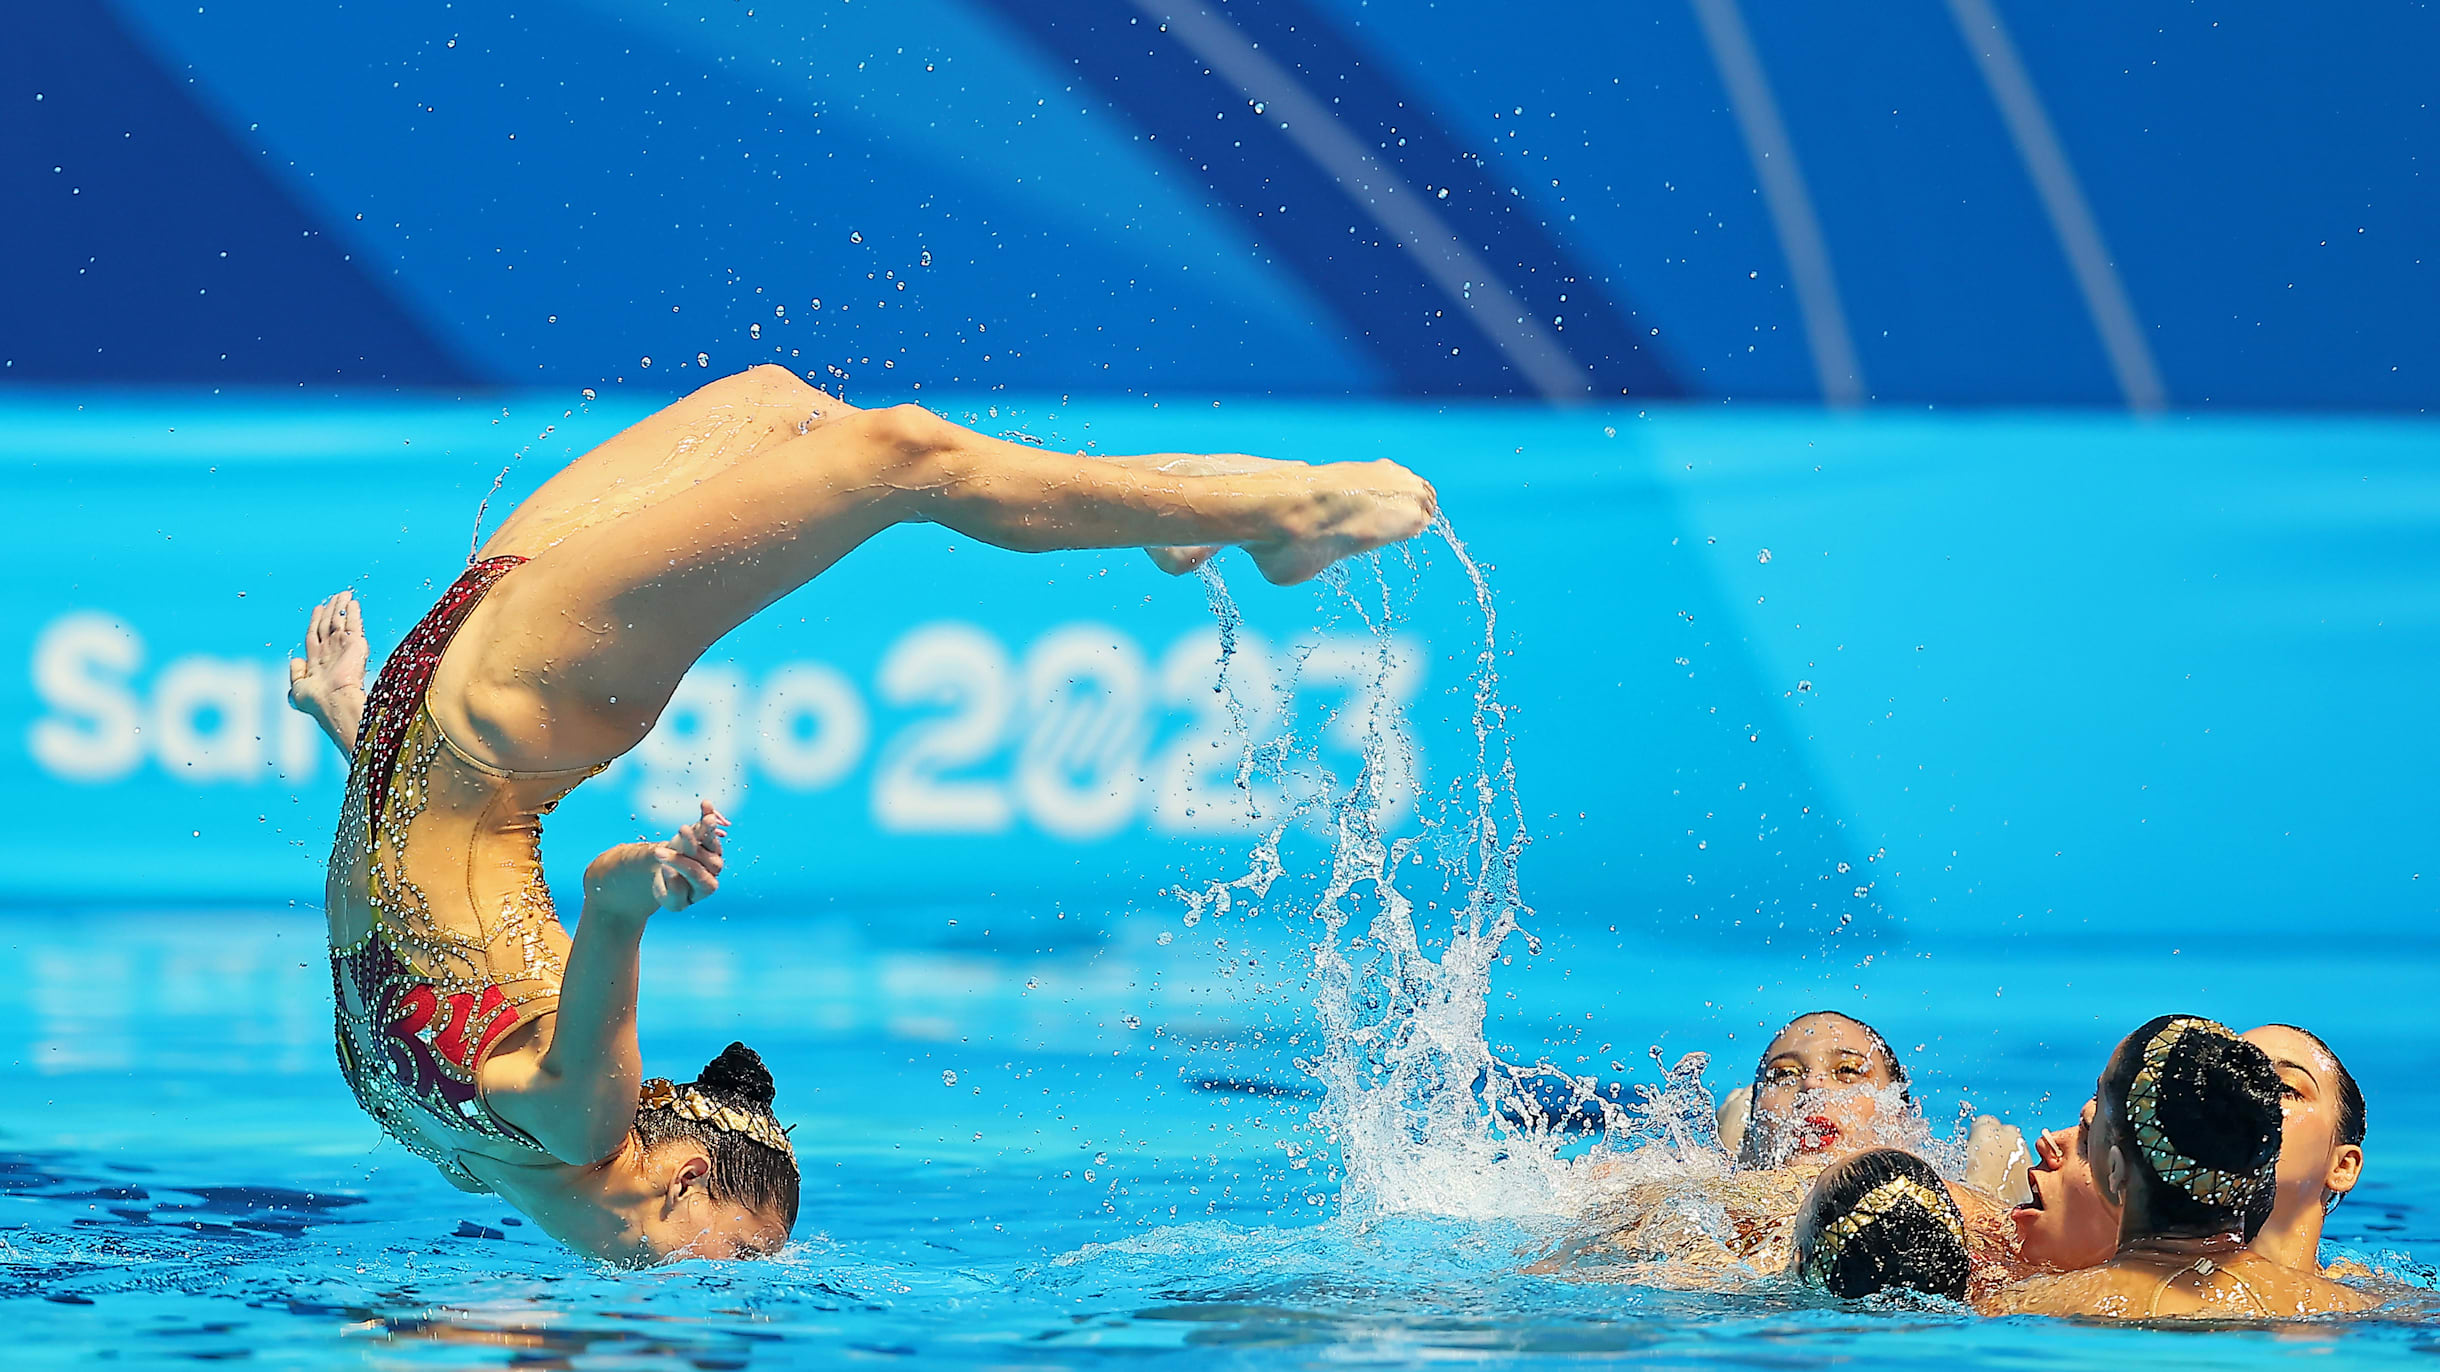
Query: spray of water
x=1424 y=1117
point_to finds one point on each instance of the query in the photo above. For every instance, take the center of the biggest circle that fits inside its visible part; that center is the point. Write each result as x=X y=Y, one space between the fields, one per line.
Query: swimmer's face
x=1822 y=1093
x=670 y=1213
x=2067 y=1226
x=2313 y=1164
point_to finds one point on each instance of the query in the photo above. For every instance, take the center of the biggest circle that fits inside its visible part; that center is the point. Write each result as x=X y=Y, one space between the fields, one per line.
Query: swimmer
x=2321 y=1143
x=1882 y=1220
x=2184 y=1141
x=1827 y=1087
x=471 y=1026
x=2065 y=1225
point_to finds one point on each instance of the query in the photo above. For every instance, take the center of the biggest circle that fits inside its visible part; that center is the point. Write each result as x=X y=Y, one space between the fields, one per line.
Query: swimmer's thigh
x=670 y=451
x=571 y=658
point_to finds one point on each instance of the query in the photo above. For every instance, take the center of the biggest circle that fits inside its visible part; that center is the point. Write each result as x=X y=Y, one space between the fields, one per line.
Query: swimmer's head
x=1826 y=1086
x=1882 y=1220
x=712 y=1174
x=2066 y=1226
x=2185 y=1136
x=2321 y=1134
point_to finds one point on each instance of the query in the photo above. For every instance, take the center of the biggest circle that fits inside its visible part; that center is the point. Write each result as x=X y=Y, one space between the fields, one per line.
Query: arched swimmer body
x=470 y=1024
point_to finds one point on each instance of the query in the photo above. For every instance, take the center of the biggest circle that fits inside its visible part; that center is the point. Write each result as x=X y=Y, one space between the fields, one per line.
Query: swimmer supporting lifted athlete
x=470 y=1024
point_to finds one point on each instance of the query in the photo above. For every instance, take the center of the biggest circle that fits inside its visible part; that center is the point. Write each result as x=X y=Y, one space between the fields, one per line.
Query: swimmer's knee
x=903 y=442
x=767 y=384
x=775 y=384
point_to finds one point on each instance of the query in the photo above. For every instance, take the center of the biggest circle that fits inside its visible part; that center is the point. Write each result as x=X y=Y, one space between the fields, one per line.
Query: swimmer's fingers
x=1179 y=561
x=679 y=881
x=317 y=631
x=296 y=672
x=702 y=842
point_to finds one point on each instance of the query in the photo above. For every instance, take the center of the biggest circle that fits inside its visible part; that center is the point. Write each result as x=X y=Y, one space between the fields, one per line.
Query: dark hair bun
x=739 y=1073
x=2219 y=1102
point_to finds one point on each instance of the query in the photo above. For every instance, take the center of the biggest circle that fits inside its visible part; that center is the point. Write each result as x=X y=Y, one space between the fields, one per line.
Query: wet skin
x=2067 y=1225
x=1825 y=1091
x=2314 y=1167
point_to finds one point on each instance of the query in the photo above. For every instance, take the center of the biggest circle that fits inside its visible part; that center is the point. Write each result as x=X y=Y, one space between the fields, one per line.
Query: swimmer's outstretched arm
x=327 y=684
x=577 y=1095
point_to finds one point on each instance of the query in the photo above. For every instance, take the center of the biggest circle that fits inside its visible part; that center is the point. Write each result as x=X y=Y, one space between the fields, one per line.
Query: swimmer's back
x=2247 y=1287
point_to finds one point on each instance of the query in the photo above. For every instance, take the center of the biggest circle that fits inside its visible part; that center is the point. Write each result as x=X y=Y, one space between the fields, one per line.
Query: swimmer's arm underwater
x=574 y=1089
x=327 y=684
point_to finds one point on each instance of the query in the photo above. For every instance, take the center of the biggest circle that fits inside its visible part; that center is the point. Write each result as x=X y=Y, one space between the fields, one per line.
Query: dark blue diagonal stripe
x=1429 y=337
x=143 y=243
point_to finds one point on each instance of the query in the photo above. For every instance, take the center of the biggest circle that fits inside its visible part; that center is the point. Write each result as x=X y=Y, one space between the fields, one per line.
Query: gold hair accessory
x=2209 y=1185
x=1875 y=1205
x=660 y=1094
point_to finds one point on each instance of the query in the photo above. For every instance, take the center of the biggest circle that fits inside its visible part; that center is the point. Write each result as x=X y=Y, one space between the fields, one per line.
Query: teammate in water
x=471 y=1026
x=2183 y=1141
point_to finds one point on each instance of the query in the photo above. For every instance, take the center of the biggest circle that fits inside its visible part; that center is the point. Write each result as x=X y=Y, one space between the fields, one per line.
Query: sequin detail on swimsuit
x=423 y=996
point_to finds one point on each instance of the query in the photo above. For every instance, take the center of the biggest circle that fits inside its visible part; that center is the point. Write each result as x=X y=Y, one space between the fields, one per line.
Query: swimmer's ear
x=2346 y=1169
x=2112 y=1178
x=691 y=1178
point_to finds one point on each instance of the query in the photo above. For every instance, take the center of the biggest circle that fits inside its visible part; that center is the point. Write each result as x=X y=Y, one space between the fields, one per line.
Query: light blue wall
x=2015 y=672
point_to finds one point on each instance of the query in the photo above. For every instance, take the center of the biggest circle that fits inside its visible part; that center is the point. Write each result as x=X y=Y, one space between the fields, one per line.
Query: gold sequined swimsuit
x=442 y=935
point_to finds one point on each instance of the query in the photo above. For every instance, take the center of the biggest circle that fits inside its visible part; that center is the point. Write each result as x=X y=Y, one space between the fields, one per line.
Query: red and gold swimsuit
x=442 y=934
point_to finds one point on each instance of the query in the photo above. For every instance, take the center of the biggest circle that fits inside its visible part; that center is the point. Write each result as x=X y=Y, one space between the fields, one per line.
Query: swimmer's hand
x=636 y=879
x=327 y=684
x=1996 y=1158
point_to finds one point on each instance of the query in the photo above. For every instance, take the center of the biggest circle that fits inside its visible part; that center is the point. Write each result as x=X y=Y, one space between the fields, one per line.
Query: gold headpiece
x=1870 y=1210
x=2209 y=1185
x=660 y=1094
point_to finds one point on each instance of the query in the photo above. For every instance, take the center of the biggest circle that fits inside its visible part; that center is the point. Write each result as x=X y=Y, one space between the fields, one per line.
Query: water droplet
x=703 y=359
x=589 y=395
x=854 y=236
x=1193 y=918
x=1763 y=556
x=753 y=330
x=1132 y=1021
x=925 y=258
x=948 y=1078
x=645 y=363
x=1165 y=937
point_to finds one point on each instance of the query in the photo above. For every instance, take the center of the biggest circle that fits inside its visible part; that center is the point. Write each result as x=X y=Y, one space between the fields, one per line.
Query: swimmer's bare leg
x=327 y=684
x=570 y=660
x=674 y=449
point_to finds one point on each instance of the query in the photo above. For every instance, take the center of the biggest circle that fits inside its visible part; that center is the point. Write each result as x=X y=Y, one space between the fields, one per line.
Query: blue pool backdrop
x=1943 y=675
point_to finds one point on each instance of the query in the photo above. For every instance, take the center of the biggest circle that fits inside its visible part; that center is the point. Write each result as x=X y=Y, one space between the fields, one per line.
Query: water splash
x=1424 y=1117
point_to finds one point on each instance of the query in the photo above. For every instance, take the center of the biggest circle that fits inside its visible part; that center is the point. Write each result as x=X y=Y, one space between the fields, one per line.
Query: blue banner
x=1769 y=676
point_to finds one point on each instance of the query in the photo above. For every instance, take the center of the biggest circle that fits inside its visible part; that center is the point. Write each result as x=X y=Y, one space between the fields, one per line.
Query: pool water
x=999 y=1169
